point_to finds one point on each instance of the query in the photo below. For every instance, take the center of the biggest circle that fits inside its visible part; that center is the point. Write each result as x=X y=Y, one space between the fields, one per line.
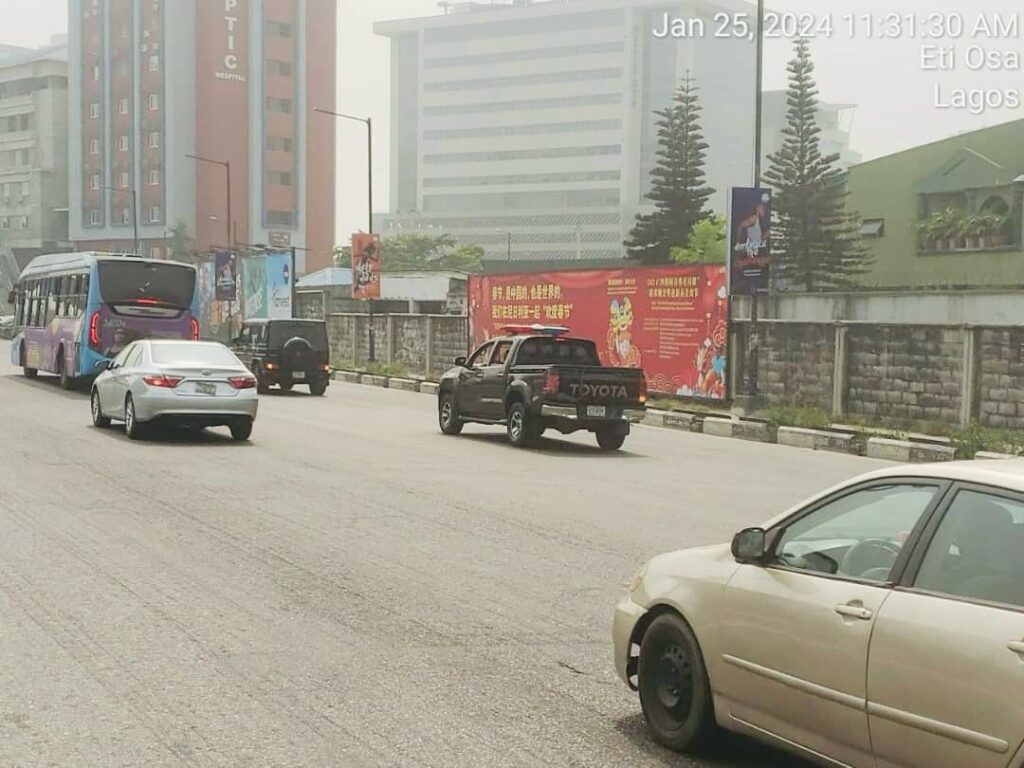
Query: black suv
x=284 y=353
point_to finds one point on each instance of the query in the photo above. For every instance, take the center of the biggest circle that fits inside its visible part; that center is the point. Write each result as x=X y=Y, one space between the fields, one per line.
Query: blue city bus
x=76 y=311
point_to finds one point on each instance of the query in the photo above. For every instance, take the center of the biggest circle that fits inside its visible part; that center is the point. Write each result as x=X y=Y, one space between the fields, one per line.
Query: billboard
x=226 y=267
x=671 y=321
x=749 y=241
x=279 y=285
x=365 y=266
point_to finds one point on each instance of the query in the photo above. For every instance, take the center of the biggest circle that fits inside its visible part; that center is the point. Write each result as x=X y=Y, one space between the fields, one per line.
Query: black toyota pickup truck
x=534 y=381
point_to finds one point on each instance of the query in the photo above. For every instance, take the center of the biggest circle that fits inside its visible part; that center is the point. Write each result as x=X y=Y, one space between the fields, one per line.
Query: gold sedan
x=878 y=625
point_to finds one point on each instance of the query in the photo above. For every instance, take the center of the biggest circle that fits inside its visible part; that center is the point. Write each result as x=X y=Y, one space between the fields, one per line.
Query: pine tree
x=816 y=243
x=678 y=189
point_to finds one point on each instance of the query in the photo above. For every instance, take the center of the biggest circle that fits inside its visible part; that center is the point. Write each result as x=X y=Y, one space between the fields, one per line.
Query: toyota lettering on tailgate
x=617 y=392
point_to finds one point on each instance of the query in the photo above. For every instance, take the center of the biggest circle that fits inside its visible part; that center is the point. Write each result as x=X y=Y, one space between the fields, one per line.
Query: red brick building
x=233 y=81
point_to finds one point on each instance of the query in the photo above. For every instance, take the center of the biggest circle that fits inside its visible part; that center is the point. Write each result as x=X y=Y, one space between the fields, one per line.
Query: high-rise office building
x=231 y=81
x=33 y=150
x=529 y=128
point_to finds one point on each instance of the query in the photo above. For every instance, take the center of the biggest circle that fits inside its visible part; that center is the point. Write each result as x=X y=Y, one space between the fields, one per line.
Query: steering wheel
x=869 y=555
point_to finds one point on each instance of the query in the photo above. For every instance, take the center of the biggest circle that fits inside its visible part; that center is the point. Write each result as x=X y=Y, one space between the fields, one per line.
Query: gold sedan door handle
x=853 y=611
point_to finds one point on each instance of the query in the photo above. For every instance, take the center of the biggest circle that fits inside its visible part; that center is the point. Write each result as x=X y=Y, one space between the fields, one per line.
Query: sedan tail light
x=242 y=382
x=552 y=383
x=164 y=382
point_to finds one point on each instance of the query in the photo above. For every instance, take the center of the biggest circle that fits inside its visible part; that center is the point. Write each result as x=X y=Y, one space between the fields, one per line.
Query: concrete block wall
x=1001 y=377
x=421 y=344
x=797 y=363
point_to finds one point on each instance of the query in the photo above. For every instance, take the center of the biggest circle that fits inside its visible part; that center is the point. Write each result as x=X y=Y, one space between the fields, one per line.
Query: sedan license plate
x=203 y=388
x=597 y=411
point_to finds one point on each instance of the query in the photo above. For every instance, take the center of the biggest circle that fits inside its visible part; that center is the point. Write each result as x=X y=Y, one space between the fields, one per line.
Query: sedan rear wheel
x=132 y=428
x=241 y=430
x=674 y=689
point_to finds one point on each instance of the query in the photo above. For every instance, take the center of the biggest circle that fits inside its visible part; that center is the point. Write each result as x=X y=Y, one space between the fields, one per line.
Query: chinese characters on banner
x=365 y=266
x=671 y=321
x=750 y=241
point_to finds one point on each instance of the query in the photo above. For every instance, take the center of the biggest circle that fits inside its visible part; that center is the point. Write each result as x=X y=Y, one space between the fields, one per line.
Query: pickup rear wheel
x=610 y=440
x=522 y=431
x=448 y=415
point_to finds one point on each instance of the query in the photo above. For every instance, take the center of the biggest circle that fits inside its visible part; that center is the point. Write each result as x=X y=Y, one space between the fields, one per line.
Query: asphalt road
x=350 y=589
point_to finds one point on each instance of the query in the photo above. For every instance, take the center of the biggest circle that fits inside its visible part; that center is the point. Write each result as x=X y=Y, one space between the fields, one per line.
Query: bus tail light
x=164 y=382
x=242 y=382
x=195 y=329
x=552 y=383
x=94 y=330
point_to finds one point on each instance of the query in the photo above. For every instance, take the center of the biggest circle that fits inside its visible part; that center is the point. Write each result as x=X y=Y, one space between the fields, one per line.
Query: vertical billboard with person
x=366 y=256
x=750 y=241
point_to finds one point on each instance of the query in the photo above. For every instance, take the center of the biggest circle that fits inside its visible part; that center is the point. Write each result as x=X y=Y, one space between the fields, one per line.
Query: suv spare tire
x=297 y=355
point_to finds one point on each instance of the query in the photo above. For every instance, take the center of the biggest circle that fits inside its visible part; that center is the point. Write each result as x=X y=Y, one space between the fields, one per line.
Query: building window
x=154 y=177
x=94 y=110
x=122 y=107
x=94 y=182
x=154 y=214
x=94 y=218
x=25 y=189
x=96 y=73
x=154 y=63
x=21 y=157
x=126 y=216
x=123 y=179
x=122 y=142
x=279 y=28
x=279 y=218
x=282 y=68
x=23 y=223
x=154 y=102
x=5 y=223
x=275 y=104
x=94 y=146
x=873 y=228
x=154 y=140
x=283 y=178
x=279 y=144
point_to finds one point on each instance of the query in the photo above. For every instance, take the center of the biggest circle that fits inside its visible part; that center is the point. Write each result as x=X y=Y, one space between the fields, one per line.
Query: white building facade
x=529 y=128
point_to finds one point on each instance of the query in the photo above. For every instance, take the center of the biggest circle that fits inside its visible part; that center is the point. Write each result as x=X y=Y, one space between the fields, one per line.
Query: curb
x=405 y=385
x=989 y=456
x=683 y=422
x=818 y=440
x=349 y=377
x=907 y=452
x=742 y=430
x=429 y=388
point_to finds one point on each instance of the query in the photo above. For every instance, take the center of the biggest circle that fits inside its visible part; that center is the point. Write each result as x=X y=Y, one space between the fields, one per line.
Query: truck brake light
x=552 y=383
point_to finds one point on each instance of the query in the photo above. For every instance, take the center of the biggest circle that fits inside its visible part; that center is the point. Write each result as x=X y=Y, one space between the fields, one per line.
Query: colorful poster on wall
x=254 y=287
x=365 y=266
x=227 y=269
x=279 y=285
x=749 y=241
x=671 y=321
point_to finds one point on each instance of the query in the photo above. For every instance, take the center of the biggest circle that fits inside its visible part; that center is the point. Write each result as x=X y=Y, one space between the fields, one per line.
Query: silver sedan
x=188 y=383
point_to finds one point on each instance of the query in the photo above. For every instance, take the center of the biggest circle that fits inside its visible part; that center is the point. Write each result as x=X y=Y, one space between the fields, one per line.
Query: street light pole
x=226 y=165
x=371 y=335
x=752 y=358
x=510 y=246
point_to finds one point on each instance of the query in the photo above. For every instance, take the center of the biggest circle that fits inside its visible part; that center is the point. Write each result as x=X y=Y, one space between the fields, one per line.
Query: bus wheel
x=29 y=373
x=66 y=381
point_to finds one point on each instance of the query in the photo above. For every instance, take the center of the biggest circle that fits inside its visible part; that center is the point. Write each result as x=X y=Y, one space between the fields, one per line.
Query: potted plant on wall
x=1000 y=231
x=974 y=230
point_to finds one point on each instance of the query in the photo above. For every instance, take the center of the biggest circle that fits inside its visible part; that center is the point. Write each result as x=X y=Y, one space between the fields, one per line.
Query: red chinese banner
x=671 y=321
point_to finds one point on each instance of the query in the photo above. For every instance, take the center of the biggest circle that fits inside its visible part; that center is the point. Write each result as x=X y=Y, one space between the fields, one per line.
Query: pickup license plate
x=203 y=388
x=597 y=411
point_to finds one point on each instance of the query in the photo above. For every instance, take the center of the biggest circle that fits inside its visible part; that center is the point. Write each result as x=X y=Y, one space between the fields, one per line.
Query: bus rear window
x=558 y=352
x=146 y=282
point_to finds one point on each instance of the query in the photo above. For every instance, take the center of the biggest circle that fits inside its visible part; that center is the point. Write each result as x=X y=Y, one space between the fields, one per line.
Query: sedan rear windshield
x=193 y=354
x=147 y=282
x=314 y=333
x=558 y=352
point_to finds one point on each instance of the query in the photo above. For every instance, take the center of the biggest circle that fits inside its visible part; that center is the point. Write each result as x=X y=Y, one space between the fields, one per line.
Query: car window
x=501 y=352
x=481 y=356
x=977 y=551
x=123 y=355
x=558 y=351
x=859 y=535
x=193 y=354
x=134 y=357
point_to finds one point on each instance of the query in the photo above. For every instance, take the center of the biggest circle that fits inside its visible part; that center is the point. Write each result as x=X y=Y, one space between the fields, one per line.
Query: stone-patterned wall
x=905 y=372
x=1001 y=377
x=412 y=342
x=796 y=364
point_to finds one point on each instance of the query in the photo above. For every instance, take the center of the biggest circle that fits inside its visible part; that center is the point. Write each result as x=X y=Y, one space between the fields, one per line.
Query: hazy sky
x=885 y=78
